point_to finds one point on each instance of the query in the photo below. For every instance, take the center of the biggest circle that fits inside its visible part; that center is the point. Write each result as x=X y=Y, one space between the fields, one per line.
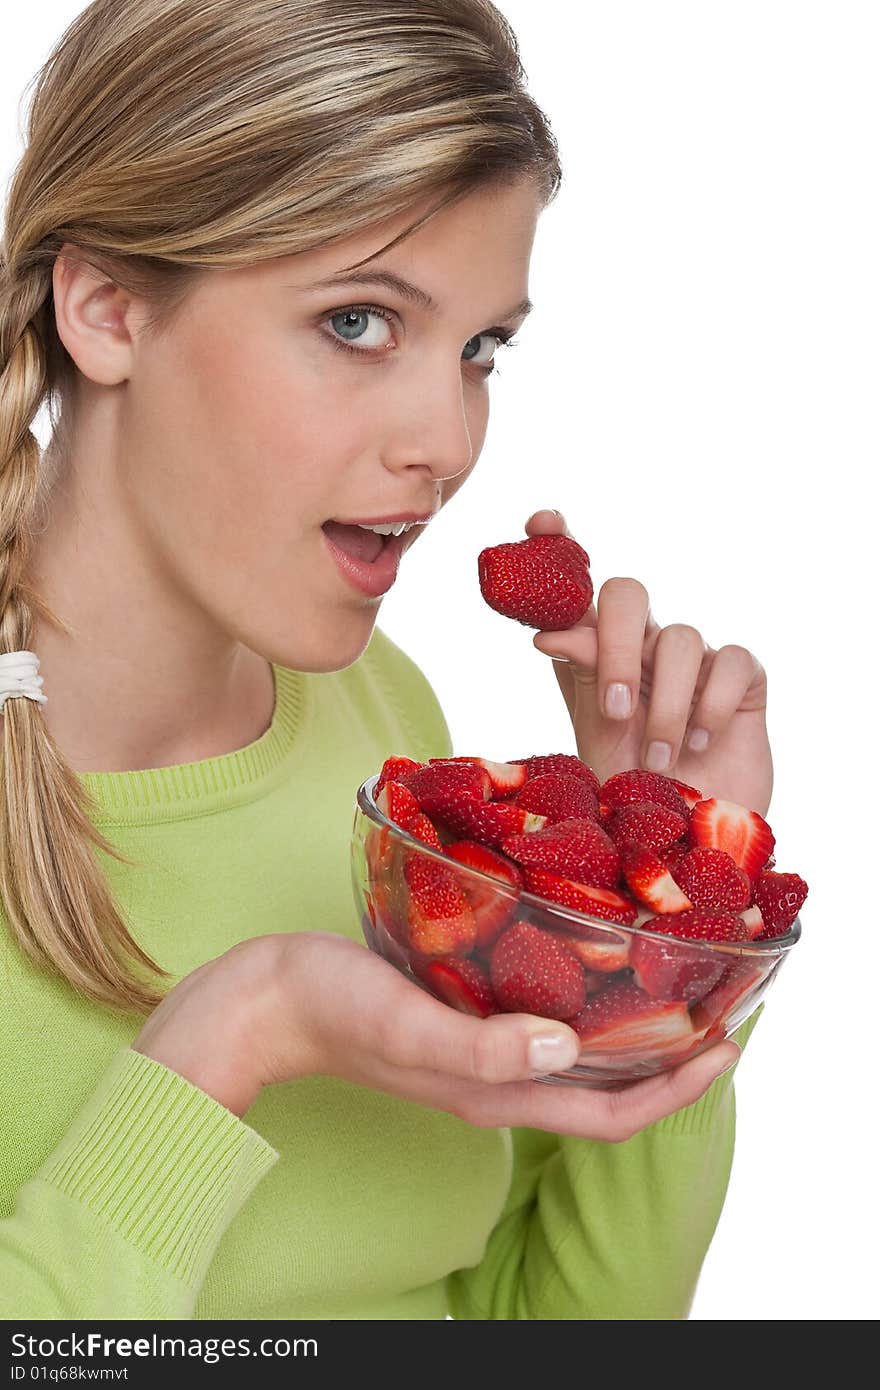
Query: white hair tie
x=18 y=676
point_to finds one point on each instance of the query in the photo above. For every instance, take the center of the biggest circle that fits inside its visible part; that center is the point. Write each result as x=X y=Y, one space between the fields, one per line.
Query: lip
x=374 y=579
x=379 y=520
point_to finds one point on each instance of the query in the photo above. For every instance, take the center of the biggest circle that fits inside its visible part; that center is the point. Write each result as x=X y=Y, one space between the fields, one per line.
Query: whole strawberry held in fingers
x=542 y=582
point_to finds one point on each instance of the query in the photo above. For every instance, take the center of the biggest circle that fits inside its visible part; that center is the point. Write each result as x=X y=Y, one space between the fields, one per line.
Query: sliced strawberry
x=488 y=822
x=623 y=1018
x=574 y=848
x=558 y=797
x=565 y=763
x=583 y=897
x=645 y=824
x=710 y=878
x=624 y=788
x=462 y=983
x=506 y=778
x=649 y=878
x=726 y=825
x=673 y=971
x=754 y=921
x=726 y=1004
x=439 y=917
x=437 y=785
x=779 y=898
x=398 y=803
x=541 y=582
x=423 y=828
x=492 y=910
x=689 y=795
x=594 y=980
x=532 y=973
x=394 y=769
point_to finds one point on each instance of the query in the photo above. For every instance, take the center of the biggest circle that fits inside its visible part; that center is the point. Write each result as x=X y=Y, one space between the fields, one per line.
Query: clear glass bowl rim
x=773 y=946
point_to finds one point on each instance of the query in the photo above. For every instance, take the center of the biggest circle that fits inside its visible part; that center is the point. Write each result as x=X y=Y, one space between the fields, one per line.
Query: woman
x=217 y=1102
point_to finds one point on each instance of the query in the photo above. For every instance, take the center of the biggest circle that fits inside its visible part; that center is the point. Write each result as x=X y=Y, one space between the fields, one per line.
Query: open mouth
x=362 y=545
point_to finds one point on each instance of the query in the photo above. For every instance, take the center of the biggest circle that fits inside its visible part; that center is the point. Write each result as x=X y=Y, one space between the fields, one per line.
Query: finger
x=623 y=608
x=677 y=659
x=736 y=680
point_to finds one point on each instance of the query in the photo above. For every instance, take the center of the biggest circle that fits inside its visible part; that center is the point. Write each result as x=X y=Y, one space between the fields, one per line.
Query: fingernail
x=658 y=756
x=697 y=739
x=552 y=1052
x=565 y=659
x=730 y=1064
x=617 y=701
x=559 y=514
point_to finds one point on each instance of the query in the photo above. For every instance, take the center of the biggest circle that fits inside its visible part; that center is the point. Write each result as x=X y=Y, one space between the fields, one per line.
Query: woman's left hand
x=677 y=683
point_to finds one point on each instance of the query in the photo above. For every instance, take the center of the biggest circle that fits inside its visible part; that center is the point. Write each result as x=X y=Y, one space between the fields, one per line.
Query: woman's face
x=249 y=425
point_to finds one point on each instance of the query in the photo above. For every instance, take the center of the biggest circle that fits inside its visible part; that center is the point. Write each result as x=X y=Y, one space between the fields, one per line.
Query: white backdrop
x=696 y=390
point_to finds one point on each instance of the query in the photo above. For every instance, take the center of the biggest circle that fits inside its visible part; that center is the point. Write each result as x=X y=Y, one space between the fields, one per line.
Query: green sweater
x=127 y=1192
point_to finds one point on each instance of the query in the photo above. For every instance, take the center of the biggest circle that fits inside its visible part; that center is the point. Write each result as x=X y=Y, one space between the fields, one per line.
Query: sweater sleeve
x=123 y=1217
x=604 y=1231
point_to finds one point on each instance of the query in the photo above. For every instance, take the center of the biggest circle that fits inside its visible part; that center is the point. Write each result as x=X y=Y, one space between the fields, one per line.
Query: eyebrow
x=390 y=281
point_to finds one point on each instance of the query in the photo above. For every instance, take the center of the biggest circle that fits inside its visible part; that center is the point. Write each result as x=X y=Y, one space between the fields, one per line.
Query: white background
x=696 y=390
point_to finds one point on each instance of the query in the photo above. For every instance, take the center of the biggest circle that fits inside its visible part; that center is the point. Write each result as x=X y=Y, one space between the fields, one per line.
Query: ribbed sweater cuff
x=161 y=1161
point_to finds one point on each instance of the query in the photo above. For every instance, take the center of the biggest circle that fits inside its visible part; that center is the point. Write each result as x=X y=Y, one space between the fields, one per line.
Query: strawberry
x=646 y=825
x=673 y=854
x=583 y=897
x=558 y=797
x=725 y=1005
x=689 y=795
x=489 y=822
x=397 y=803
x=394 y=769
x=505 y=778
x=531 y=973
x=439 y=916
x=674 y=972
x=436 y=785
x=636 y=785
x=462 y=983
x=421 y=827
x=649 y=878
x=565 y=763
x=594 y=980
x=541 y=582
x=624 y=1018
x=712 y=879
x=574 y=848
x=492 y=910
x=726 y=825
x=779 y=897
x=753 y=920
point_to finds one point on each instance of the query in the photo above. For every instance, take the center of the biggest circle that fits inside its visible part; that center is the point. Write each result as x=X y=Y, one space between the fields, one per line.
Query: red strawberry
x=712 y=879
x=725 y=1005
x=673 y=854
x=726 y=825
x=436 y=785
x=623 y=1018
x=583 y=897
x=462 y=983
x=558 y=797
x=506 y=778
x=421 y=827
x=690 y=795
x=574 y=848
x=779 y=898
x=594 y=980
x=637 y=785
x=646 y=825
x=492 y=910
x=541 y=582
x=397 y=803
x=394 y=769
x=531 y=973
x=439 y=916
x=566 y=763
x=753 y=920
x=674 y=972
x=650 y=880
x=489 y=822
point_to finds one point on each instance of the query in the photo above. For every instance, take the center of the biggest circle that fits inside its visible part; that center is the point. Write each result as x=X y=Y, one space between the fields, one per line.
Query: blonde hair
x=166 y=139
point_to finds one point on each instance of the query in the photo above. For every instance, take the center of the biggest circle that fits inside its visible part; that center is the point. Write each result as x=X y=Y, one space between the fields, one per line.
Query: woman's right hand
x=294 y=1004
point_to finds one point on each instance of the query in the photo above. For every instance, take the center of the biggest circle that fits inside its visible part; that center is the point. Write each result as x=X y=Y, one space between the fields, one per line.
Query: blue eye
x=503 y=337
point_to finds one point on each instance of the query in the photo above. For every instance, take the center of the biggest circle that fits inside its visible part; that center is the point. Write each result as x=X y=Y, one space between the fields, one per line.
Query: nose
x=427 y=426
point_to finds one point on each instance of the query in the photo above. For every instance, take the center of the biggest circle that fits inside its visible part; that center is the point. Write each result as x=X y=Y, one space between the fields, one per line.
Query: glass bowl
x=700 y=991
